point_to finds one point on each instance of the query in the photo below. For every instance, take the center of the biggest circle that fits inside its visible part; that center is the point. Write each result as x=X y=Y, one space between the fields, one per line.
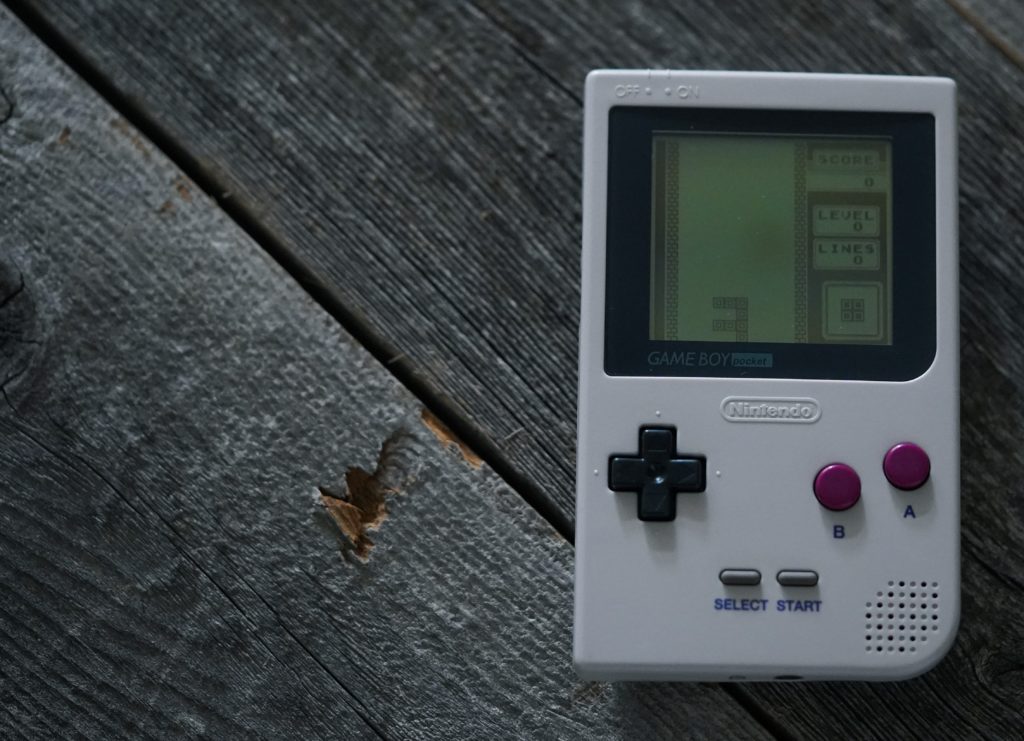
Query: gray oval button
x=740 y=577
x=795 y=578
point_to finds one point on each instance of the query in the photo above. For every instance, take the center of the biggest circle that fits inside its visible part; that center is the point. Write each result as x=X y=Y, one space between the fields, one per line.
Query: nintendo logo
x=770 y=409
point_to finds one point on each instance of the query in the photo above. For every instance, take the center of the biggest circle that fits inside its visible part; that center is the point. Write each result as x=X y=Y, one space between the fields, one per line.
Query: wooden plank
x=999 y=21
x=403 y=177
x=464 y=122
x=182 y=432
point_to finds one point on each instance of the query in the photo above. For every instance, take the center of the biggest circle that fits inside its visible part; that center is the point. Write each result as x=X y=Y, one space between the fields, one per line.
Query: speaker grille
x=902 y=617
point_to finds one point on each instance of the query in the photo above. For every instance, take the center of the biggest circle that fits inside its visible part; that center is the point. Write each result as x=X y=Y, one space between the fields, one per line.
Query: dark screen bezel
x=628 y=348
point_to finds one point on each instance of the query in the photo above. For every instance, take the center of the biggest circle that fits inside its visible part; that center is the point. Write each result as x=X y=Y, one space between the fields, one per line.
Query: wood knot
x=19 y=339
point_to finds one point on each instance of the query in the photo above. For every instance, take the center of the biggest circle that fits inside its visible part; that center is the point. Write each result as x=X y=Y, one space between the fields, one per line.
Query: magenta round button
x=906 y=466
x=837 y=486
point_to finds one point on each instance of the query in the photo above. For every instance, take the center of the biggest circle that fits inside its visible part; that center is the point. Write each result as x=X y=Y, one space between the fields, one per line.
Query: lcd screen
x=765 y=238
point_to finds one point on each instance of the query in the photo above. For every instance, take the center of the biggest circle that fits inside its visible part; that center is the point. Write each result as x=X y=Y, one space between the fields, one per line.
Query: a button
x=740 y=577
x=837 y=487
x=656 y=475
x=906 y=466
x=797 y=578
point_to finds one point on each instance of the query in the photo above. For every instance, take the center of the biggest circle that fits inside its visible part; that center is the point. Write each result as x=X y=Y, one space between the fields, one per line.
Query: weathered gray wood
x=430 y=192
x=999 y=21
x=180 y=427
x=425 y=162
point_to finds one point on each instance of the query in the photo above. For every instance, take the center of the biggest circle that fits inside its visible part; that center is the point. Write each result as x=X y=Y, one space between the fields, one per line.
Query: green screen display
x=771 y=239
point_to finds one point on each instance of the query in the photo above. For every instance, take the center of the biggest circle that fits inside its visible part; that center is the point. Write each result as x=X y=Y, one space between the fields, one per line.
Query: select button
x=740 y=577
x=795 y=578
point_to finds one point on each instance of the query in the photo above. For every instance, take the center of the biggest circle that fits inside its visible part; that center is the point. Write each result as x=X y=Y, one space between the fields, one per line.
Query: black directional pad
x=657 y=474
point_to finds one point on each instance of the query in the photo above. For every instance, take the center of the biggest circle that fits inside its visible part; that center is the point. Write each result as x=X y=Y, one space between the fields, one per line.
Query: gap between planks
x=326 y=295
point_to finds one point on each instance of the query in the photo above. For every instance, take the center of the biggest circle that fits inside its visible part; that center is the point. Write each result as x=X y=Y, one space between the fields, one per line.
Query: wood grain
x=327 y=121
x=424 y=161
x=167 y=564
x=435 y=202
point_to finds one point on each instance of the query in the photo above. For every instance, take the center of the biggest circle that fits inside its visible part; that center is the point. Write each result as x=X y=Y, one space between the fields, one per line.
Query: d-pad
x=657 y=475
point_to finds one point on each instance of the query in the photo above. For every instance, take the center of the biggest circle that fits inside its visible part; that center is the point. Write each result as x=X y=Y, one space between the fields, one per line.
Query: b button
x=837 y=487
